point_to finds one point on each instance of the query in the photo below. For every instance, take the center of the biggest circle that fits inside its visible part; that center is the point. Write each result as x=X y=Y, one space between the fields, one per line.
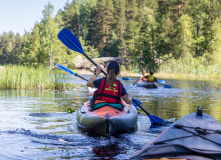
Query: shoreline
x=161 y=75
x=122 y=74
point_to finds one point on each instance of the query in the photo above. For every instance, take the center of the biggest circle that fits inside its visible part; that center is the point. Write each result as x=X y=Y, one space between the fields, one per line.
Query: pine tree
x=49 y=29
x=101 y=24
x=132 y=27
x=119 y=25
x=185 y=37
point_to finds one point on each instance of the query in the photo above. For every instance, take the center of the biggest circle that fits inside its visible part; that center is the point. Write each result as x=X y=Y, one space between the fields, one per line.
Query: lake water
x=36 y=125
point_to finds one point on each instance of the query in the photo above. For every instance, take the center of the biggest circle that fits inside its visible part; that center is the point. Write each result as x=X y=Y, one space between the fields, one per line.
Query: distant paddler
x=147 y=78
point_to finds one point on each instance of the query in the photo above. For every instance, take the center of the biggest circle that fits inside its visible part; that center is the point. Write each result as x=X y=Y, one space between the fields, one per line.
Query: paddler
x=142 y=77
x=109 y=89
x=151 y=78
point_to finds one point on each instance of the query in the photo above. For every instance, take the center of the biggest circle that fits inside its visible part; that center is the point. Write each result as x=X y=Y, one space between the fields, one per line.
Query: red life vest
x=106 y=93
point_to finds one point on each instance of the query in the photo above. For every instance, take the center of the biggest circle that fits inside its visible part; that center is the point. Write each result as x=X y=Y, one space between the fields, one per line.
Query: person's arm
x=93 y=78
x=136 y=81
x=156 y=80
x=127 y=98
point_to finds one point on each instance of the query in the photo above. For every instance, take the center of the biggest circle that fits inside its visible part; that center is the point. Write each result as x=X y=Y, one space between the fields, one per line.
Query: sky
x=20 y=15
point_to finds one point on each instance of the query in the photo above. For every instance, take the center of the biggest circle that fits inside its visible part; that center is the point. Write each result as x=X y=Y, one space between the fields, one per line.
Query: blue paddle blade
x=125 y=78
x=70 y=40
x=157 y=121
x=65 y=69
x=167 y=86
x=138 y=101
x=135 y=105
x=137 y=72
x=161 y=81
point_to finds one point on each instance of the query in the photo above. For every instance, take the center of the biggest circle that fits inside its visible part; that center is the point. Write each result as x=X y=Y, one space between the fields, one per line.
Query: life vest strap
x=107 y=95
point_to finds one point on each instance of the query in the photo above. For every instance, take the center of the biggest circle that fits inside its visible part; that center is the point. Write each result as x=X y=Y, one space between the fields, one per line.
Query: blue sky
x=20 y=15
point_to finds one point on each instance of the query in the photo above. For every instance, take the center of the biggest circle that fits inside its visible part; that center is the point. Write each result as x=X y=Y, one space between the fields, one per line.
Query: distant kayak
x=107 y=120
x=146 y=84
x=126 y=78
x=194 y=136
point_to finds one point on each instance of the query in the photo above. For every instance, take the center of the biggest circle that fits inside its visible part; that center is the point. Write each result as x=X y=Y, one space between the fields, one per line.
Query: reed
x=191 y=68
x=22 y=77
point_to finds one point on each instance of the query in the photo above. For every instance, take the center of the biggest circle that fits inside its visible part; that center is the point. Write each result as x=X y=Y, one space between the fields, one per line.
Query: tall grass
x=189 y=68
x=22 y=77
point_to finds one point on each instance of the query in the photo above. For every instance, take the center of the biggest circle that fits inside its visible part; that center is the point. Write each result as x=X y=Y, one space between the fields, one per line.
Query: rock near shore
x=105 y=60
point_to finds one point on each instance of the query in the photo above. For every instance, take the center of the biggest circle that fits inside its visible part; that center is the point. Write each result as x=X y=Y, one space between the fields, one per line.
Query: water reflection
x=109 y=150
x=37 y=126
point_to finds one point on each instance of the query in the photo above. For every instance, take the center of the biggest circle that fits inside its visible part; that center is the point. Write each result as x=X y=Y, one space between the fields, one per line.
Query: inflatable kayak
x=146 y=84
x=196 y=136
x=107 y=120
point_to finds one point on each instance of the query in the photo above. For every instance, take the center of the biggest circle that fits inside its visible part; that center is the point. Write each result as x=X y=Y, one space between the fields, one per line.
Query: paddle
x=69 y=71
x=70 y=110
x=136 y=72
x=126 y=78
x=71 y=41
x=160 y=81
x=138 y=101
x=155 y=121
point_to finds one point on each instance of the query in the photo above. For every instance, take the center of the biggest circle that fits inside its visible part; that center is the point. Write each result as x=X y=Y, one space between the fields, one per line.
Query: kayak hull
x=147 y=84
x=186 y=139
x=107 y=120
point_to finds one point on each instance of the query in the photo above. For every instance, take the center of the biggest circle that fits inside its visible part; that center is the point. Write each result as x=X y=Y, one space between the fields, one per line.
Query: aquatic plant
x=37 y=78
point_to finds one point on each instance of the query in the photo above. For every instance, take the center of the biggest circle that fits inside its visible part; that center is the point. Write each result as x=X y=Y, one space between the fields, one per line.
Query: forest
x=167 y=36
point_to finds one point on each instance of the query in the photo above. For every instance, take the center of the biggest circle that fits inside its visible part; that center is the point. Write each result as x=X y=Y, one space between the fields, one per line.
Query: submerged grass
x=41 y=78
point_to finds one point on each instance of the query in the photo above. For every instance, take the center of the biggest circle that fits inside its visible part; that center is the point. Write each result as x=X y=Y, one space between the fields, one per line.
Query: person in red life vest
x=151 y=78
x=110 y=89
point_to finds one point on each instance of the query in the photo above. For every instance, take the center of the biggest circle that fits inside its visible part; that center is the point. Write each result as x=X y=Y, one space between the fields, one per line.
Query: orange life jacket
x=106 y=93
x=143 y=78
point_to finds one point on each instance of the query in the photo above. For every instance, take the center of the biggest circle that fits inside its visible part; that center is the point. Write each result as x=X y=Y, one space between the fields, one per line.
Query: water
x=36 y=125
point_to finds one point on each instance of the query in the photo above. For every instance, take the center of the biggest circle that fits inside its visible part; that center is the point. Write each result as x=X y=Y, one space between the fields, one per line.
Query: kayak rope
x=199 y=129
x=199 y=132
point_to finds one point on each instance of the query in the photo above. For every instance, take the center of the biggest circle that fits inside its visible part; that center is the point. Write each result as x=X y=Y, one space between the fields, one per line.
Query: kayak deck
x=107 y=120
x=191 y=137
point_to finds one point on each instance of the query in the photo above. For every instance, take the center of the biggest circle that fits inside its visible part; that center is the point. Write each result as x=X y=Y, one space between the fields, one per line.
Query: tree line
x=151 y=33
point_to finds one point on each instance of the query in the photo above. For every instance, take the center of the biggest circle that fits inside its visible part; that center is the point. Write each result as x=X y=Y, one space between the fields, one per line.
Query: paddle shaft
x=141 y=107
x=81 y=77
x=72 y=42
x=69 y=71
x=94 y=63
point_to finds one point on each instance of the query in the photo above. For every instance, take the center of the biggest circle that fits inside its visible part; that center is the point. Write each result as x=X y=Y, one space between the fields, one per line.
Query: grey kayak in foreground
x=196 y=136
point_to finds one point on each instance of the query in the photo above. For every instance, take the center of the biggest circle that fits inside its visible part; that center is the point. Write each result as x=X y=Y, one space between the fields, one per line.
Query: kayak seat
x=114 y=105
